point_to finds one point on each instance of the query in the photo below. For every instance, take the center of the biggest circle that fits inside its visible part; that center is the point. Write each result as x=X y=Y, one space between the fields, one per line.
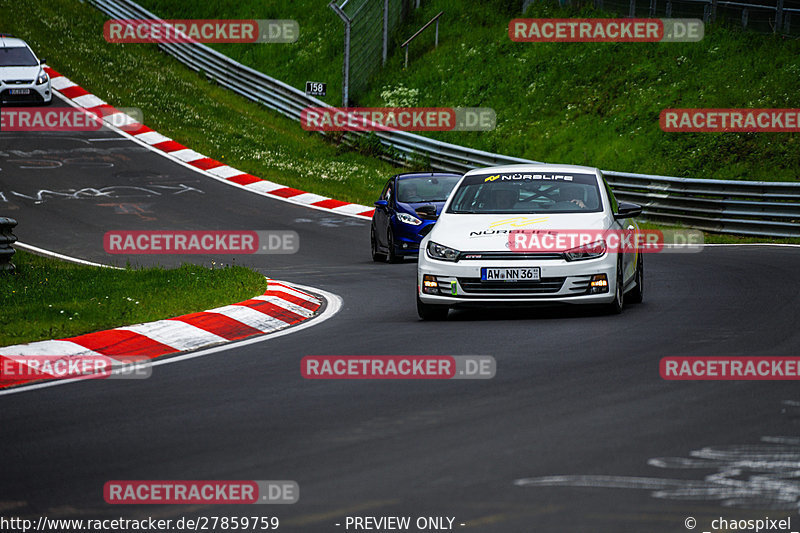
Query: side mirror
x=427 y=212
x=42 y=61
x=627 y=210
x=381 y=203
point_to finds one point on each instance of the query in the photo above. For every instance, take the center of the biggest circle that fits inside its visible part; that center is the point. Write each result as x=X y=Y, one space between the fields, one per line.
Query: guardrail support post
x=346 y=65
x=713 y=10
x=632 y=10
x=668 y=11
x=744 y=18
x=653 y=8
x=385 y=29
x=7 y=238
x=778 y=16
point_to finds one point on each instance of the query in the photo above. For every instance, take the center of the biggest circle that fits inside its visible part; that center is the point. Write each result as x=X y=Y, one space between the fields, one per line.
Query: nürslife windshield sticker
x=587 y=179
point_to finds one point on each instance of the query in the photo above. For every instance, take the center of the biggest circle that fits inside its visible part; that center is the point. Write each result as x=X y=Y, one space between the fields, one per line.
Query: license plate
x=20 y=91
x=510 y=274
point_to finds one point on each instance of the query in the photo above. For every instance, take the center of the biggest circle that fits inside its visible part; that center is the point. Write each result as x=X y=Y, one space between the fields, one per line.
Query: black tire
x=391 y=254
x=431 y=312
x=615 y=307
x=637 y=294
x=373 y=244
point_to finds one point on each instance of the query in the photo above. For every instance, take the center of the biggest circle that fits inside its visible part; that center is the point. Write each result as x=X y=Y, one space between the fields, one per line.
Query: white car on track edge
x=469 y=258
x=22 y=77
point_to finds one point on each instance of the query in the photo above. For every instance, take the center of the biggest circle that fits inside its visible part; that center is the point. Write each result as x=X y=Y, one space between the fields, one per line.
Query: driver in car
x=410 y=192
x=572 y=194
x=505 y=199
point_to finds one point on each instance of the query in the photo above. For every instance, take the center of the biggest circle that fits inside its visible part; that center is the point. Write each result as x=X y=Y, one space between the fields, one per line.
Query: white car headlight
x=587 y=251
x=443 y=253
x=42 y=79
x=408 y=219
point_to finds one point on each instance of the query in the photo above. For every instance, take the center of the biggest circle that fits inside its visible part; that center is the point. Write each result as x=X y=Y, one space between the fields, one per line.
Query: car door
x=382 y=215
x=627 y=224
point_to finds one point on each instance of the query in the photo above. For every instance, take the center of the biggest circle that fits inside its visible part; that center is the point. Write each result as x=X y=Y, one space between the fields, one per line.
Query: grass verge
x=50 y=299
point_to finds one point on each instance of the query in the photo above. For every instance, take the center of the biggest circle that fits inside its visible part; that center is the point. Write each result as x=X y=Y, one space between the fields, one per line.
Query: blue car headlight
x=408 y=219
x=442 y=253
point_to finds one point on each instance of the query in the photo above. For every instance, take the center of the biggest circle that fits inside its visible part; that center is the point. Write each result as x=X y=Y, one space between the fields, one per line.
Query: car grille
x=544 y=286
x=17 y=82
x=509 y=256
x=7 y=98
x=424 y=231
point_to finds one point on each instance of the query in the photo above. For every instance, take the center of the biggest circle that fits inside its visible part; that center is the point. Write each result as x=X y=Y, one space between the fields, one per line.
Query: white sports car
x=480 y=250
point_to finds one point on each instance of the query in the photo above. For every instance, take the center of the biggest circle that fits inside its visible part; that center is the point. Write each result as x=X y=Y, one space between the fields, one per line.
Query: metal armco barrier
x=769 y=209
x=6 y=240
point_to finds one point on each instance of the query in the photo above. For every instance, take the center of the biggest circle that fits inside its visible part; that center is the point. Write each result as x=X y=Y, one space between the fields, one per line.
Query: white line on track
x=48 y=253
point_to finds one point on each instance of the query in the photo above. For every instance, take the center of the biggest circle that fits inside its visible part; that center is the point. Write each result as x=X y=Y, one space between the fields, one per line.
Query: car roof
x=540 y=167
x=9 y=41
x=425 y=175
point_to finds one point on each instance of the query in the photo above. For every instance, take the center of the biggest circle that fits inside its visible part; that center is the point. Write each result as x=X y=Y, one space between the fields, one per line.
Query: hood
x=20 y=73
x=490 y=232
x=411 y=207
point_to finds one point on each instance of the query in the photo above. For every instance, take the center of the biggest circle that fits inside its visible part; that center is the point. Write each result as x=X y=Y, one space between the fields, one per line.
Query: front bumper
x=561 y=281
x=37 y=94
x=407 y=238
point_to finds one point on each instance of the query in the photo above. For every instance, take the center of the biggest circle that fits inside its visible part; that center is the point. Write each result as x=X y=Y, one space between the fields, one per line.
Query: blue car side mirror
x=381 y=203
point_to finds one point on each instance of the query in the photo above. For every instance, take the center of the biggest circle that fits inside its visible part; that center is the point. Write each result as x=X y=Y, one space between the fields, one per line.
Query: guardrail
x=752 y=208
x=6 y=240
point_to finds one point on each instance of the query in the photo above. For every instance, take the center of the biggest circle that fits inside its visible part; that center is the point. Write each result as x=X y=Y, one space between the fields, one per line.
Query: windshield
x=511 y=193
x=17 y=56
x=425 y=189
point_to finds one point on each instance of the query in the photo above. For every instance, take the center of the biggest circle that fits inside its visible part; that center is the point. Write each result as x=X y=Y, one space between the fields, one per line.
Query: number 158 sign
x=314 y=88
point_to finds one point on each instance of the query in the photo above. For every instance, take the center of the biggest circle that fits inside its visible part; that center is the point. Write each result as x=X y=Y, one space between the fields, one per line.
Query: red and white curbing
x=281 y=306
x=213 y=168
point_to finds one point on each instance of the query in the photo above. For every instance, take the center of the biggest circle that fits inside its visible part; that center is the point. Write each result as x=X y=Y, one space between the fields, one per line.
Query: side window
x=387 y=190
x=614 y=205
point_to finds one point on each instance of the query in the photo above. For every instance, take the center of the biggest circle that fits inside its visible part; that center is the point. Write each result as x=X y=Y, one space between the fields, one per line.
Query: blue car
x=406 y=211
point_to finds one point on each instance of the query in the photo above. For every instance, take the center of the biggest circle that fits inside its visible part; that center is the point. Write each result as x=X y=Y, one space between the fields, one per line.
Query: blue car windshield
x=425 y=189
x=527 y=193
